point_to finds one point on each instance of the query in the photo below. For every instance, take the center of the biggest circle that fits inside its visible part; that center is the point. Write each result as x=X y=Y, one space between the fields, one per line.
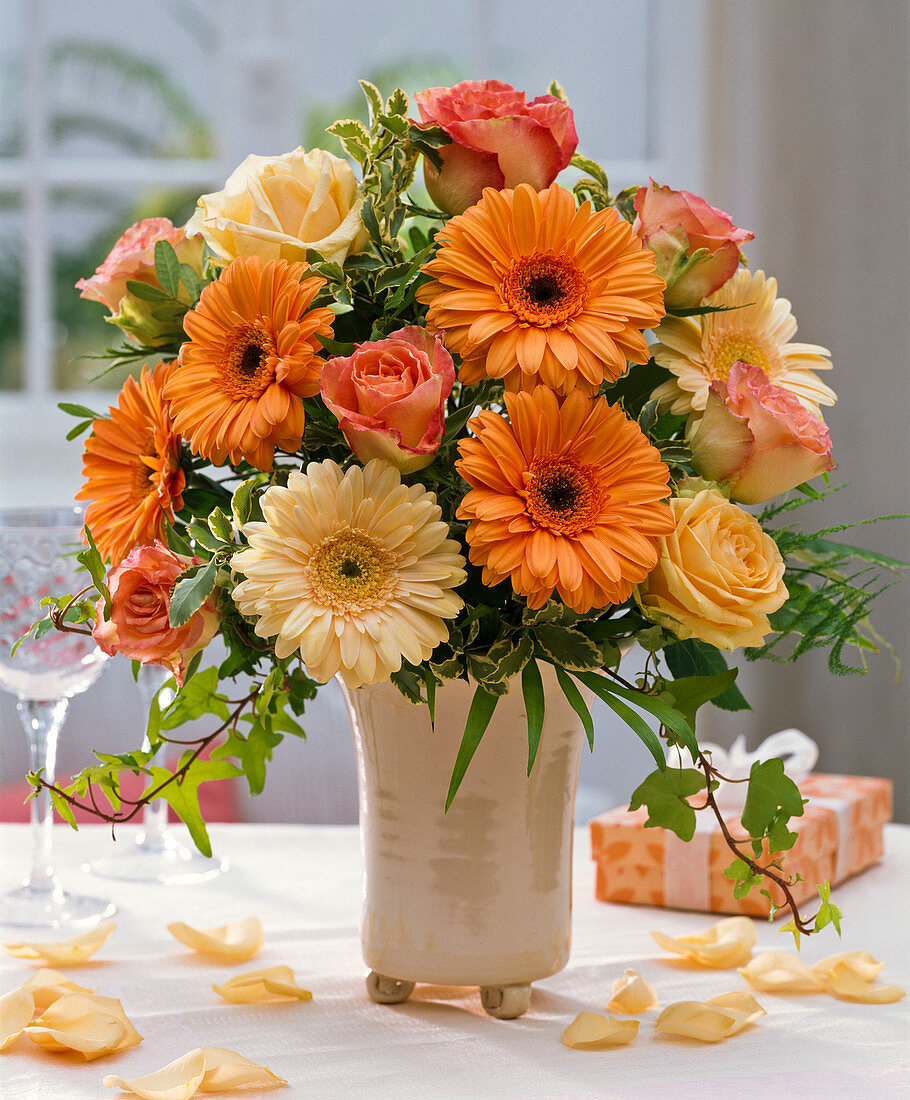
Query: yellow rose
x=278 y=207
x=719 y=575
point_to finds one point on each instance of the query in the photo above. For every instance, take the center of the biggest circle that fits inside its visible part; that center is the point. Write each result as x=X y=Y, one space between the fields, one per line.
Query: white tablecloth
x=304 y=883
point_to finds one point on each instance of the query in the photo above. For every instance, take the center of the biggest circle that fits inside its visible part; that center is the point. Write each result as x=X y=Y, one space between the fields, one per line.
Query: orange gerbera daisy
x=567 y=498
x=530 y=288
x=131 y=466
x=251 y=357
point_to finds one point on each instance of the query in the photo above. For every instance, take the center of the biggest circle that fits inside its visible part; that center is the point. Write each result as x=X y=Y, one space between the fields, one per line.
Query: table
x=304 y=883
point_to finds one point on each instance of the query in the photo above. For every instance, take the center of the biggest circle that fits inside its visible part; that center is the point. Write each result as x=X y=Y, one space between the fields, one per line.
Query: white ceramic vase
x=480 y=895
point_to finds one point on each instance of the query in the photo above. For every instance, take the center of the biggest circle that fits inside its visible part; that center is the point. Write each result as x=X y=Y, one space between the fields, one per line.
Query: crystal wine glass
x=38 y=558
x=157 y=854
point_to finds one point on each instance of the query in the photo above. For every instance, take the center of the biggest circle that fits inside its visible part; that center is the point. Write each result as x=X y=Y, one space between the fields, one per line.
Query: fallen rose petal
x=178 y=1080
x=16 y=1011
x=590 y=1031
x=235 y=942
x=632 y=994
x=275 y=984
x=709 y=1021
x=860 y=963
x=84 y=1022
x=722 y=946
x=781 y=972
x=69 y=952
x=47 y=986
x=845 y=983
x=226 y=1069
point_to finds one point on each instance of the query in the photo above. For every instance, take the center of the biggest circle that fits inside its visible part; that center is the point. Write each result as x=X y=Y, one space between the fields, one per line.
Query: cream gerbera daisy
x=701 y=350
x=354 y=570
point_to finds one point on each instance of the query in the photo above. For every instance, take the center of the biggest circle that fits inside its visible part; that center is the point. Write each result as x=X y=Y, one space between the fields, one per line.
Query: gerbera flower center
x=245 y=369
x=544 y=288
x=736 y=347
x=562 y=494
x=352 y=572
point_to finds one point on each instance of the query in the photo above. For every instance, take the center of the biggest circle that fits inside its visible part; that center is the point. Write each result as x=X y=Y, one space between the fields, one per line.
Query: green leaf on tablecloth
x=664 y=793
x=772 y=798
x=183 y=795
x=482 y=707
x=532 y=691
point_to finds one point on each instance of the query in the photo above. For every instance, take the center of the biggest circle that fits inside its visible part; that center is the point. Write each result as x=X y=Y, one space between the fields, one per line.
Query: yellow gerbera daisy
x=530 y=288
x=354 y=570
x=701 y=350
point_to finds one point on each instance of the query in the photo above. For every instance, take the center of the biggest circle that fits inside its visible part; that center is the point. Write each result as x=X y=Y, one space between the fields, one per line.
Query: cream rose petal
x=860 y=963
x=84 y=1022
x=69 y=952
x=16 y=1011
x=846 y=984
x=632 y=994
x=178 y=1080
x=226 y=1069
x=235 y=942
x=274 y=985
x=724 y=945
x=590 y=1031
x=709 y=1021
x=781 y=972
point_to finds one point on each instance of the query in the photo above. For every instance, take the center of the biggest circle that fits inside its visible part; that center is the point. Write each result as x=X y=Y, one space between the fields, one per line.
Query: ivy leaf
x=665 y=793
x=743 y=877
x=183 y=794
x=91 y=559
x=167 y=267
x=197 y=697
x=482 y=707
x=191 y=591
x=772 y=798
x=691 y=692
x=532 y=691
x=827 y=913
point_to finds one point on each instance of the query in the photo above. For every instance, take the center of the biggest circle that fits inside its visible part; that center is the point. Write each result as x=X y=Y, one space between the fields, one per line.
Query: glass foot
x=163 y=858
x=53 y=908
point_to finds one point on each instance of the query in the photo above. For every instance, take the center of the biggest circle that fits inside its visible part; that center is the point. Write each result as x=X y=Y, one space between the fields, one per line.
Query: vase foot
x=388 y=991
x=505 y=1002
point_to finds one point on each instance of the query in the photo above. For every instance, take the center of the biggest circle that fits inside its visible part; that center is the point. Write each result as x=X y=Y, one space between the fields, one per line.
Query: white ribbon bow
x=798 y=752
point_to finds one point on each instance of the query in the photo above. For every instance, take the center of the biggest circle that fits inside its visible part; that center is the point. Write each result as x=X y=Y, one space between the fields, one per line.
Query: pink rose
x=757 y=440
x=696 y=245
x=141 y=587
x=498 y=140
x=389 y=397
x=132 y=259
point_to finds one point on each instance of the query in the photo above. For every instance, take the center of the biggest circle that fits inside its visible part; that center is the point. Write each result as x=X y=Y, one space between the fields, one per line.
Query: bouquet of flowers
x=387 y=437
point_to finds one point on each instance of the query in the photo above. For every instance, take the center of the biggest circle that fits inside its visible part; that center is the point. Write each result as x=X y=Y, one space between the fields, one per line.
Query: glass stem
x=42 y=720
x=150 y=680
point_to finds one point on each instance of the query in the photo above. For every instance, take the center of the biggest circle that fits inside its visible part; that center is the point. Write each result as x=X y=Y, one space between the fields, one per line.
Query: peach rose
x=278 y=207
x=389 y=397
x=141 y=587
x=719 y=575
x=132 y=259
x=757 y=440
x=498 y=140
x=696 y=245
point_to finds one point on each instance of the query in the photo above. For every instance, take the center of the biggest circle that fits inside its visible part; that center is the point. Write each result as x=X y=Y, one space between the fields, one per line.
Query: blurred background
x=794 y=118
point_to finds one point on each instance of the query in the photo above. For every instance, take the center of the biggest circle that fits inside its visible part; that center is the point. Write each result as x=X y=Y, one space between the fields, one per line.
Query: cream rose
x=278 y=207
x=719 y=575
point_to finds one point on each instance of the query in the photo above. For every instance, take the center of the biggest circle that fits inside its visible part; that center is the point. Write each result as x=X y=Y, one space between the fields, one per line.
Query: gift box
x=840 y=834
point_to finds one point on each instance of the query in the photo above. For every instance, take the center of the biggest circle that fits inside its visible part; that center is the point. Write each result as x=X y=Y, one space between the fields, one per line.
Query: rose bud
x=696 y=245
x=757 y=440
x=389 y=397
x=498 y=140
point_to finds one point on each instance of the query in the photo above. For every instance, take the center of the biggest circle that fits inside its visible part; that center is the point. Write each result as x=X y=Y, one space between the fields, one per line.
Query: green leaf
x=397 y=103
x=374 y=100
x=430 y=681
x=577 y=703
x=242 y=500
x=592 y=168
x=191 y=281
x=482 y=707
x=79 y=410
x=556 y=89
x=664 y=793
x=145 y=292
x=691 y=692
x=64 y=809
x=220 y=525
x=183 y=795
x=696 y=658
x=191 y=591
x=567 y=648
x=176 y=542
x=532 y=691
x=167 y=267
x=772 y=798
x=634 y=721
x=204 y=537
x=668 y=716
x=79 y=429
x=394 y=124
x=197 y=697
x=91 y=559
